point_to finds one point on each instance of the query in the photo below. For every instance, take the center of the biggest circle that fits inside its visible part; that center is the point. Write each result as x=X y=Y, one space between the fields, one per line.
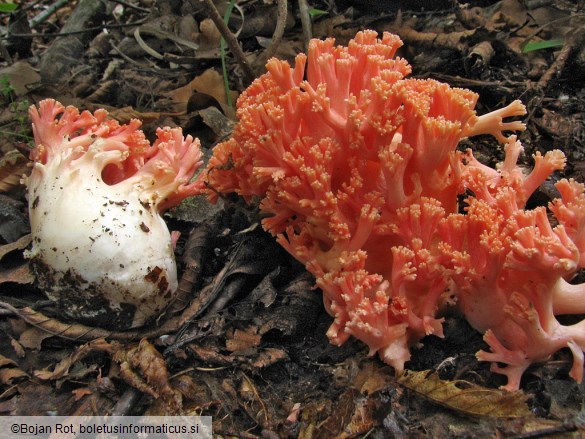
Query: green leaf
x=314 y=12
x=8 y=7
x=531 y=46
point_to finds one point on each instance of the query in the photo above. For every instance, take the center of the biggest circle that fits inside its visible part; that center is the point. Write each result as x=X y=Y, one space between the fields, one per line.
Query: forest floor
x=257 y=358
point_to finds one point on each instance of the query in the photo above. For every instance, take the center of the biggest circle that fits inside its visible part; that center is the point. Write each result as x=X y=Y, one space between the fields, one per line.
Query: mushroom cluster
x=357 y=171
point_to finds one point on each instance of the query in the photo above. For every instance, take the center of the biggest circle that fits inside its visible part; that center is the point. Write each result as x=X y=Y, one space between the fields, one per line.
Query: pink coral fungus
x=96 y=194
x=357 y=170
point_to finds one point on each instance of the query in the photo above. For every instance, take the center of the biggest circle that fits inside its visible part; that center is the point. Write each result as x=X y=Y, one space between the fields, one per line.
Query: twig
x=193 y=256
x=35 y=21
x=457 y=81
x=76 y=32
x=126 y=57
x=306 y=22
x=126 y=402
x=130 y=5
x=281 y=14
x=559 y=64
x=30 y=6
x=39 y=304
x=230 y=39
x=80 y=332
x=535 y=4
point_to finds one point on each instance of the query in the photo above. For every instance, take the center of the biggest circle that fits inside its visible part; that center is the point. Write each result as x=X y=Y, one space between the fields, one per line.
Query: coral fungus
x=357 y=171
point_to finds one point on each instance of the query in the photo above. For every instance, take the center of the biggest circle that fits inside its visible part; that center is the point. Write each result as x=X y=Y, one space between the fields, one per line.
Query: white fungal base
x=103 y=253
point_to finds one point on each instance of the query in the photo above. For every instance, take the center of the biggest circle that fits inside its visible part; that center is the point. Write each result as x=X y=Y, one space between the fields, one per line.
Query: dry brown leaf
x=32 y=338
x=209 y=354
x=17 y=326
x=21 y=76
x=18 y=348
x=13 y=165
x=10 y=272
x=21 y=275
x=39 y=399
x=10 y=372
x=144 y=368
x=188 y=387
x=6 y=361
x=10 y=375
x=241 y=340
x=371 y=378
x=19 y=244
x=81 y=392
x=210 y=82
x=220 y=124
x=268 y=356
x=336 y=26
x=467 y=398
x=79 y=332
x=54 y=326
x=362 y=419
x=287 y=50
x=62 y=369
x=337 y=417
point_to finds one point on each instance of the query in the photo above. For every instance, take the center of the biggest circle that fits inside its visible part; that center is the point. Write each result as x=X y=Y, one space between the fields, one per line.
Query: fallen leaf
x=10 y=372
x=62 y=369
x=372 y=378
x=362 y=420
x=240 y=340
x=77 y=332
x=38 y=399
x=209 y=354
x=21 y=274
x=188 y=387
x=6 y=361
x=32 y=338
x=465 y=397
x=268 y=357
x=21 y=76
x=20 y=244
x=144 y=368
x=13 y=165
x=14 y=268
x=18 y=348
x=335 y=423
x=81 y=392
x=210 y=82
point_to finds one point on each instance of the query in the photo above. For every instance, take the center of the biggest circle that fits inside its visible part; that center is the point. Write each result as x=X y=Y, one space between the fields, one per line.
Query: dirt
x=253 y=353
